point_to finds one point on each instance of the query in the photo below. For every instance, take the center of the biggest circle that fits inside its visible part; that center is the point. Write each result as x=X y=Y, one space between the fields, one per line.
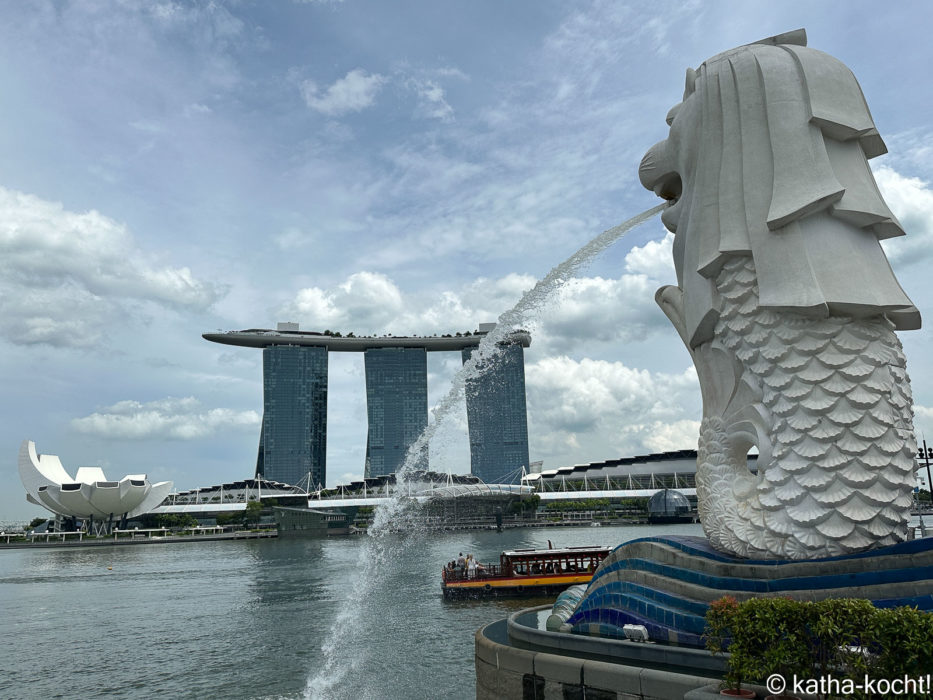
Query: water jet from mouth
x=393 y=526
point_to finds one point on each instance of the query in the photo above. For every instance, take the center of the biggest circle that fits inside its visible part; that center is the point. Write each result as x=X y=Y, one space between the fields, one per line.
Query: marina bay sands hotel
x=293 y=437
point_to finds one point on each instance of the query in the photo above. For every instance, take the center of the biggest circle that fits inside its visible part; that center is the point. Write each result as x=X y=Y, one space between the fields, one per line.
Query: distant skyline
x=174 y=168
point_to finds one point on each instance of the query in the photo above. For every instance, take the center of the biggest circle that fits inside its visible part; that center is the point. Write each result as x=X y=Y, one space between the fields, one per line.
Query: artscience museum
x=89 y=495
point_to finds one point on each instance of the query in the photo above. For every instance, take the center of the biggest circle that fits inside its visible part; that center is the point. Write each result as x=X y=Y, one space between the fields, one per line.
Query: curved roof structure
x=89 y=494
x=263 y=337
x=474 y=490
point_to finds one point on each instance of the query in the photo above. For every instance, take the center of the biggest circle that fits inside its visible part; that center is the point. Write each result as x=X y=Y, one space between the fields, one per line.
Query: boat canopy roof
x=559 y=552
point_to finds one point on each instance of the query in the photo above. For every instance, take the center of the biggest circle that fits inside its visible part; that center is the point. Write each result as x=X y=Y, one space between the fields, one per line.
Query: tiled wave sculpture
x=667 y=584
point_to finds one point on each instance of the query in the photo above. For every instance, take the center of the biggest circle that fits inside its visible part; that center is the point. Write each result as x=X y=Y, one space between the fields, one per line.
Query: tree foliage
x=152 y=520
x=251 y=514
x=528 y=504
x=581 y=504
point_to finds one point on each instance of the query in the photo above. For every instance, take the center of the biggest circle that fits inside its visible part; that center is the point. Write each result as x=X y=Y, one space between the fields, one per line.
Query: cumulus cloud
x=352 y=93
x=365 y=300
x=911 y=200
x=594 y=308
x=623 y=309
x=582 y=409
x=655 y=260
x=170 y=419
x=909 y=151
x=668 y=437
x=371 y=303
x=581 y=310
x=64 y=275
x=65 y=315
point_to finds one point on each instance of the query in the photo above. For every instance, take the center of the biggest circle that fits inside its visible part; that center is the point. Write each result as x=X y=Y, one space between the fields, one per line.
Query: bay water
x=247 y=619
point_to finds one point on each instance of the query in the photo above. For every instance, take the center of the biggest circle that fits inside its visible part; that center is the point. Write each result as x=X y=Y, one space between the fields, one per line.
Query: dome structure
x=668 y=505
x=89 y=494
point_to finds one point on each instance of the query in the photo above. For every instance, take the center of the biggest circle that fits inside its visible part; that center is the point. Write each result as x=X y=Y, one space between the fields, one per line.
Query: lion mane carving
x=787 y=304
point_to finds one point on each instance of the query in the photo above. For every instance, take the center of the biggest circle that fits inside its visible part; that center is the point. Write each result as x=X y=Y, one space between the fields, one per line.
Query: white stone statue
x=787 y=304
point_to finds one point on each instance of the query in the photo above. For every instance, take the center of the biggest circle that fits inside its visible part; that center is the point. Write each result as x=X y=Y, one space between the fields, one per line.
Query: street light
x=926 y=454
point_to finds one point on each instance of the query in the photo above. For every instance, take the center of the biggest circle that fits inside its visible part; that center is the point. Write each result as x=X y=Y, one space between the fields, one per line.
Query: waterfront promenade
x=129 y=537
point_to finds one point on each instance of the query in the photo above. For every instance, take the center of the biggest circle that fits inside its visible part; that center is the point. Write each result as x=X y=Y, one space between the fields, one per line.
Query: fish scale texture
x=834 y=403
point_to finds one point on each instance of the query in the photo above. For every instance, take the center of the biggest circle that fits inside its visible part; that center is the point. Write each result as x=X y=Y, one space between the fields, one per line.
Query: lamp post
x=923 y=530
x=926 y=454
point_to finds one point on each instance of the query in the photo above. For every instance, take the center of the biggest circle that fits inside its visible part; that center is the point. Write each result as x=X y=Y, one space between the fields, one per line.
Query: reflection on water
x=246 y=619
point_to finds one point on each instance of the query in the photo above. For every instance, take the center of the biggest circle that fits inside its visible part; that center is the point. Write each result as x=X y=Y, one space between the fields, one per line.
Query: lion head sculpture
x=768 y=135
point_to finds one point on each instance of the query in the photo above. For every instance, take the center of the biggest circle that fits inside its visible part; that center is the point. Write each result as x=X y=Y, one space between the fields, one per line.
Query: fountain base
x=667 y=583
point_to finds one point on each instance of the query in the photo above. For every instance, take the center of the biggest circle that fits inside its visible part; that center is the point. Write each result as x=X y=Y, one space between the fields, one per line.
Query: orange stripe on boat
x=505 y=583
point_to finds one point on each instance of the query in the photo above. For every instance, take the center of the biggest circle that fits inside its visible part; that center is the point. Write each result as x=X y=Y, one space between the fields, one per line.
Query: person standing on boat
x=471 y=565
x=461 y=562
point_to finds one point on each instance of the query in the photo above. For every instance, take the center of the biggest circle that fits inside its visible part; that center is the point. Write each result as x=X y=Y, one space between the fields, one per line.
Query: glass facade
x=396 y=406
x=497 y=418
x=293 y=438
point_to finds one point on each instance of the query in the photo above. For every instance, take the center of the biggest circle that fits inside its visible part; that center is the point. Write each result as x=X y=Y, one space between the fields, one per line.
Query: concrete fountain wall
x=514 y=659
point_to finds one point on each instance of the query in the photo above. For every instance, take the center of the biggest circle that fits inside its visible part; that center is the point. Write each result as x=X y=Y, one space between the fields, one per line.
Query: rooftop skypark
x=288 y=334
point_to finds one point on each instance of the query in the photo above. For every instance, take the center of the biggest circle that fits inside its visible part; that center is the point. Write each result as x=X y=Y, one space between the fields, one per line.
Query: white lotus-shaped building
x=89 y=494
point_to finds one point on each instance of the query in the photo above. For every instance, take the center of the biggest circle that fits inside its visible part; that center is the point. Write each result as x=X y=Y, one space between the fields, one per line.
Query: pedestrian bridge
x=546 y=497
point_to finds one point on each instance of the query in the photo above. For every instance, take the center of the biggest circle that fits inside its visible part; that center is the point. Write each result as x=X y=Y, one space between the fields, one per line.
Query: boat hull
x=512 y=587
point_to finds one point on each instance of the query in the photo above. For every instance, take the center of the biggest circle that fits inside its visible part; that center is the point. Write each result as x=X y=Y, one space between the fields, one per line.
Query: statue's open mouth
x=670 y=188
x=657 y=172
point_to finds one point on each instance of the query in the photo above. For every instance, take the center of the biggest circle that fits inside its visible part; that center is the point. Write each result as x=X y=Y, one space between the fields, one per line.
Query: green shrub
x=771 y=636
x=844 y=638
x=721 y=618
x=838 y=627
x=902 y=643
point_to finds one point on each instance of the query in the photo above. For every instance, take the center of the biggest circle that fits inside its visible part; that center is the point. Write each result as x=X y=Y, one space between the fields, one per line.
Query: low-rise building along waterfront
x=672 y=470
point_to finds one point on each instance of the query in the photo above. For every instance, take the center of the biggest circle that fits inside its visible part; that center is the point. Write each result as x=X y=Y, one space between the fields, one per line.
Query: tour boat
x=525 y=573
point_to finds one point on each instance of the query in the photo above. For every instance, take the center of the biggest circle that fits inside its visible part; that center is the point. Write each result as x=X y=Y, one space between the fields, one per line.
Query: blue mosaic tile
x=669 y=617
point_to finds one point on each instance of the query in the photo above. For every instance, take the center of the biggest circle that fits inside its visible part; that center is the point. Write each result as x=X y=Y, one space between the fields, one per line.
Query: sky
x=174 y=168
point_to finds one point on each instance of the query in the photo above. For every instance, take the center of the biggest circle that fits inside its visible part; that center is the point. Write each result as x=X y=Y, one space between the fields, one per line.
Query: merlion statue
x=787 y=304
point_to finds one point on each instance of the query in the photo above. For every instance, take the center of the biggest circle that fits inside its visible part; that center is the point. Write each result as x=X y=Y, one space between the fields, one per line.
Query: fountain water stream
x=344 y=650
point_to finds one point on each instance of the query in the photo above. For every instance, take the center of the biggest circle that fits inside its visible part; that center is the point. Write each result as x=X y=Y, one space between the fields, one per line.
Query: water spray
x=377 y=561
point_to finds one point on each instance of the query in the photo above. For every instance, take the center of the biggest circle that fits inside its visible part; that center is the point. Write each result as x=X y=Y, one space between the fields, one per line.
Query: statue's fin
x=671 y=300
